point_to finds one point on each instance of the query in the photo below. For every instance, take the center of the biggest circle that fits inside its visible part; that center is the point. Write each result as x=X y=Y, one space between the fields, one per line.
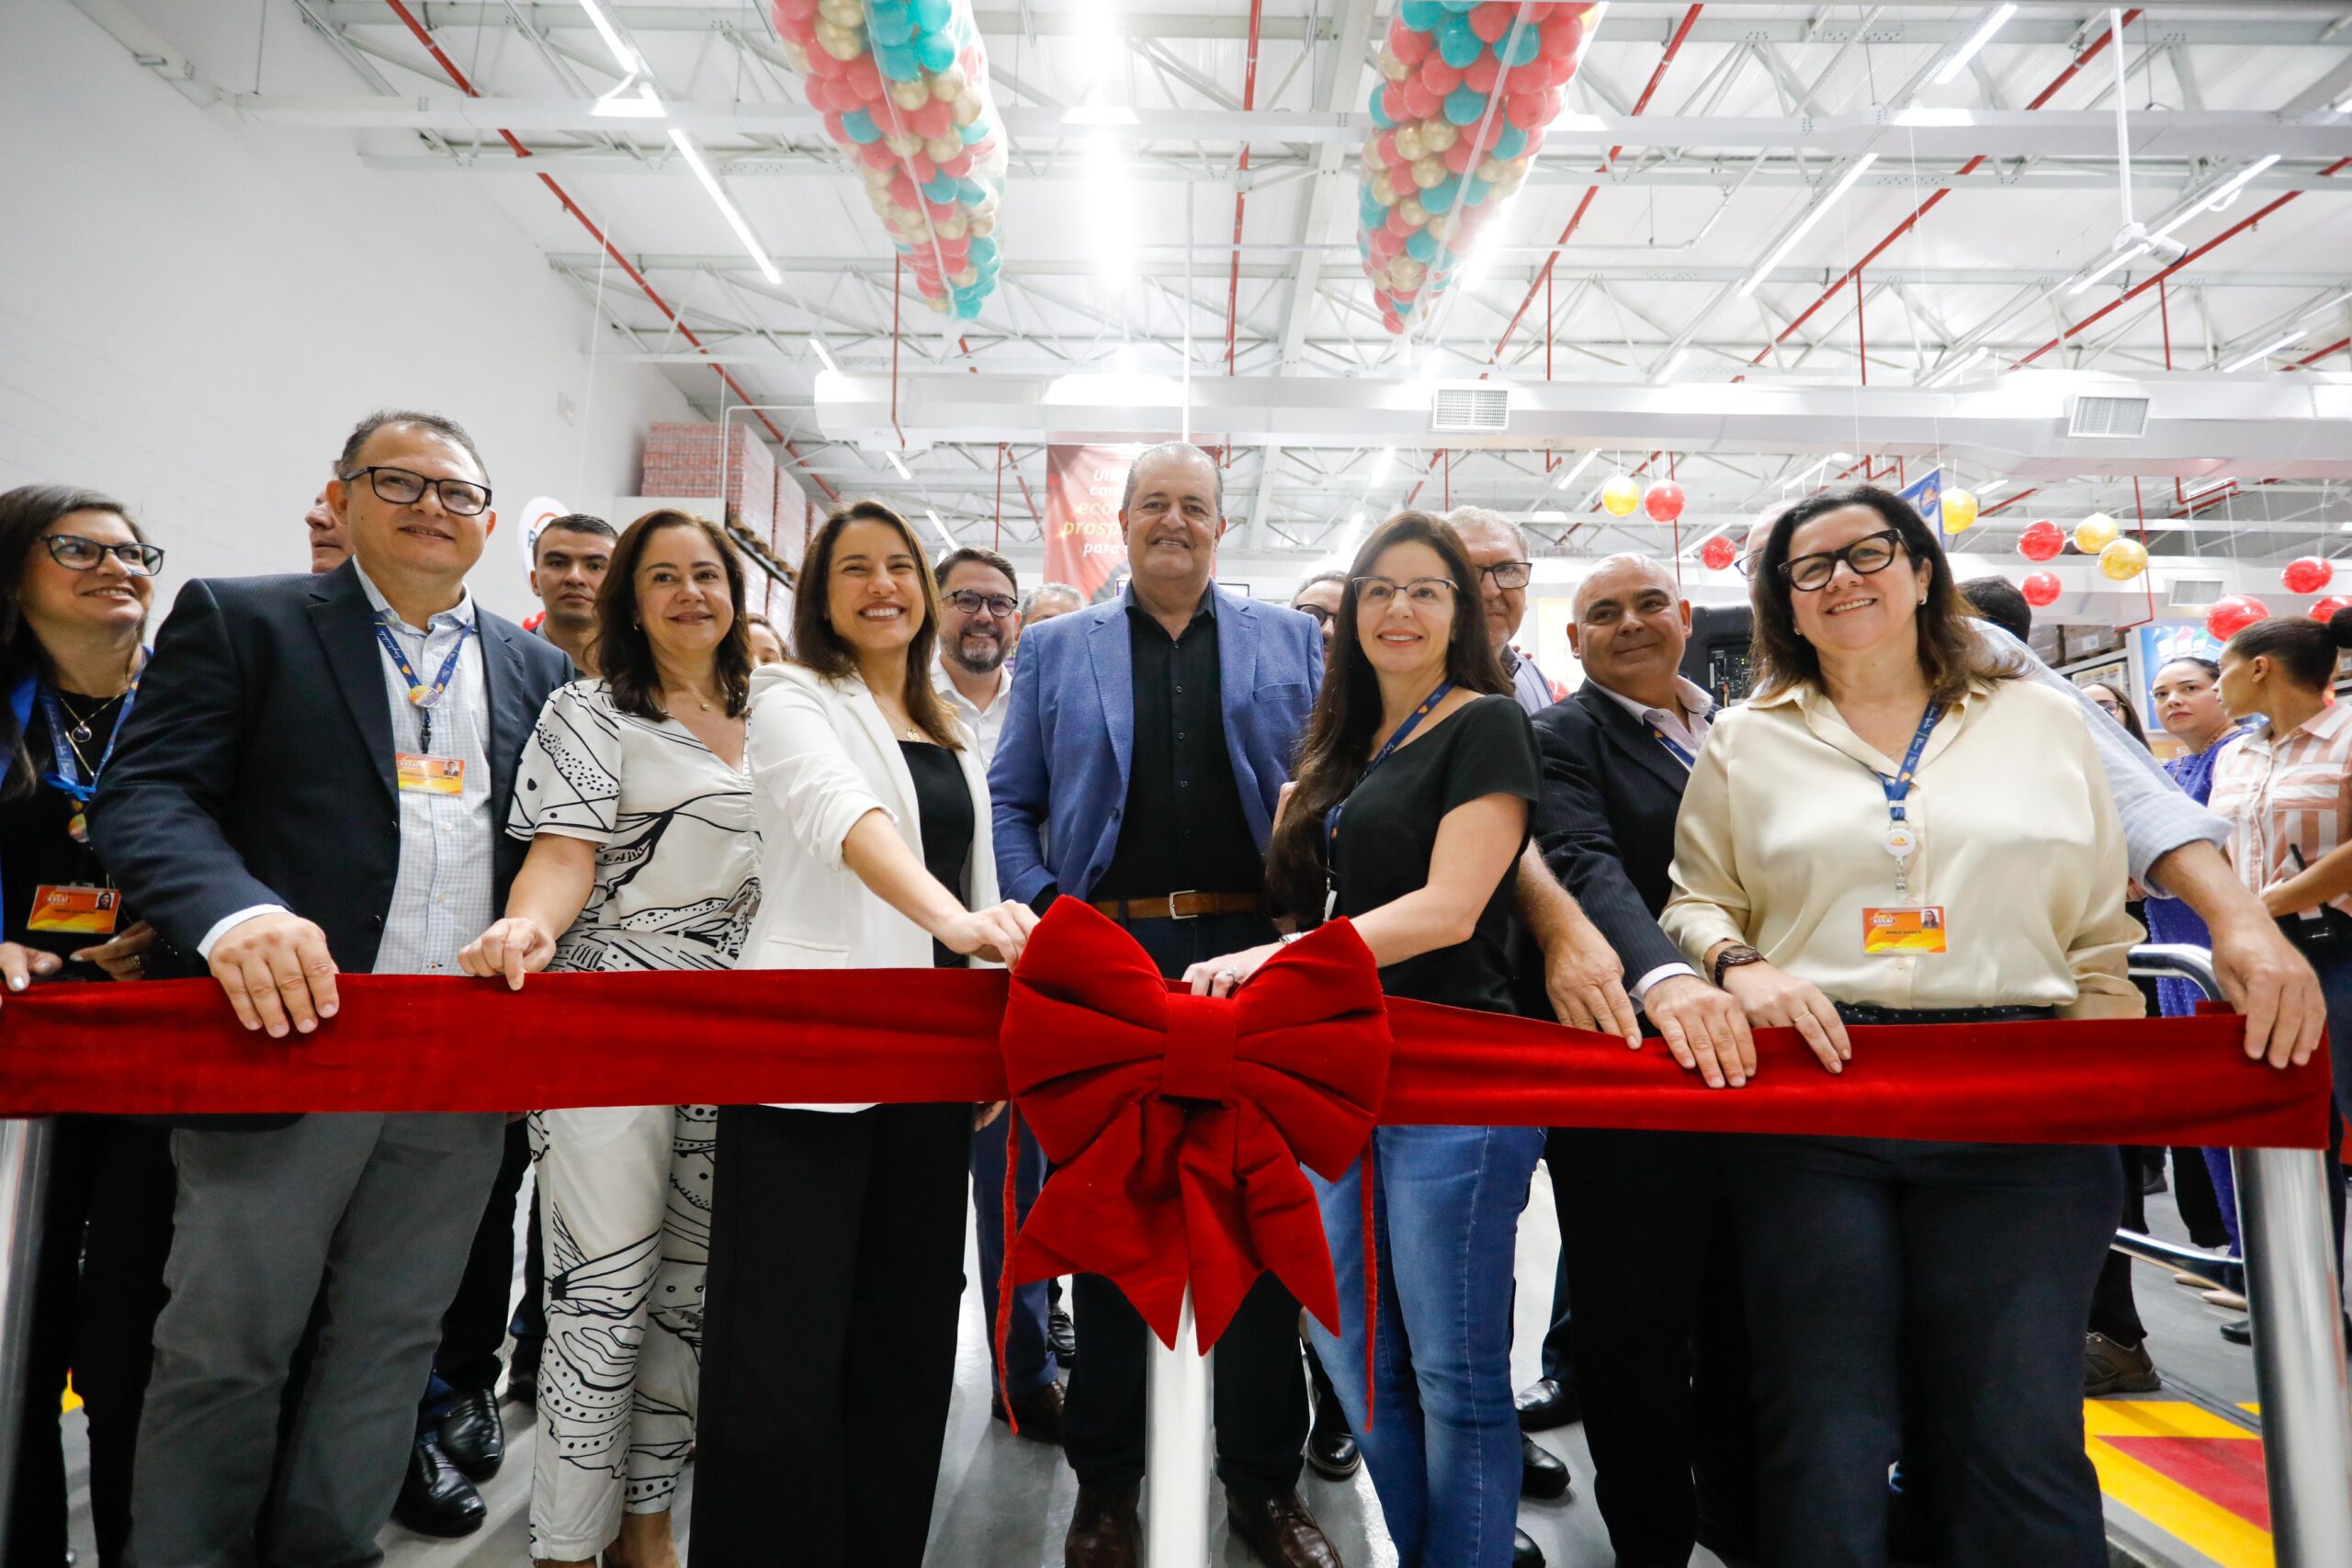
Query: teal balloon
x=1421 y=16
x=1404 y=307
x=1379 y=114
x=932 y=15
x=941 y=188
x=1518 y=47
x=897 y=61
x=936 y=50
x=1464 y=105
x=1422 y=246
x=861 y=126
x=1370 y=212
x=1510 y=143
x=1460 y=7
x=976 y=131
x=1439 y=196
x=892 y=25
x=1477 y=191
x=970 y=192
x=1458 y=45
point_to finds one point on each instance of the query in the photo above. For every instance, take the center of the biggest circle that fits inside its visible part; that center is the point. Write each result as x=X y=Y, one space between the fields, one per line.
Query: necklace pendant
x=80 y=733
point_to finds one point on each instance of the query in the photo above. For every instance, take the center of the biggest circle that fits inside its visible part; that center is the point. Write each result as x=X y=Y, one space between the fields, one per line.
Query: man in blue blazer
x=1144 y=754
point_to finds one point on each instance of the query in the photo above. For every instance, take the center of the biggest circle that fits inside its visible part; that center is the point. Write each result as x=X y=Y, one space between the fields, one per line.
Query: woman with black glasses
x=76 y=582
x=1897 y=830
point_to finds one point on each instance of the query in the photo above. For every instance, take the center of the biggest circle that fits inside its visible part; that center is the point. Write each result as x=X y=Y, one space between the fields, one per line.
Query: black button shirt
x=1182 y=829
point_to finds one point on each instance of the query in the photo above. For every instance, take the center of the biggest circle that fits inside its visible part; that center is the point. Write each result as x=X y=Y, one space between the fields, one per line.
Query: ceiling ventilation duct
x=1470 y=411
x=2194 y=592
x=2113 y=419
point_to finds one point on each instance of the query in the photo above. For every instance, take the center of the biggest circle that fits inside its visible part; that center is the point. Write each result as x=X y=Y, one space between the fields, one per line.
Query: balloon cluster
x=1466 y=89
x=903 y=85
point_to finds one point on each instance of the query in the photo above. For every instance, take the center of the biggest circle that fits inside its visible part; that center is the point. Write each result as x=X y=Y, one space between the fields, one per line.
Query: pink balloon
x=1563 y=69
x=800 y=10
x=1383 y=148
x=833 y=126
x=822 y=63
x=1399 y=227
x=1438 y=76
x=1394 y=323
x=1534 y=142
x=1480 y=76
x=941 y=211
x=1488 y=132
x=1391 y=103
x=921 y=169
x=864 y=79
x=1383 y=242
x=959 y=166
x=874 y=156
x=1493 y=19
x=903 y=189
x=1562 y=36
x=1421 y=103
x=1529 y=110
x=801 y=30
x=1408 y=45
x=932 y=121
x=1461 y=155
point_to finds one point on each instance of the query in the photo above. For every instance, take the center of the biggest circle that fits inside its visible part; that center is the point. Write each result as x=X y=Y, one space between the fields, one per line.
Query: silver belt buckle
x=1171 y=905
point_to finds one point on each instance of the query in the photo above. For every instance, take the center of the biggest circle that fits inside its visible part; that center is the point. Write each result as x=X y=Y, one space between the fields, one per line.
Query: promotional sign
x=1926 y=495
x=1084 y=542
x=537 y=513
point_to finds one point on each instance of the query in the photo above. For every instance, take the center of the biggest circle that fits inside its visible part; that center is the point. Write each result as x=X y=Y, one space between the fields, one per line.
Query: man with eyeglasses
x=980 y=621
x=314 y=779
x=1497 y=552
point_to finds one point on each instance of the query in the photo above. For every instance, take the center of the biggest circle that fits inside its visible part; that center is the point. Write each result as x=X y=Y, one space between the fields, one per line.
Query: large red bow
x=1177 y=1124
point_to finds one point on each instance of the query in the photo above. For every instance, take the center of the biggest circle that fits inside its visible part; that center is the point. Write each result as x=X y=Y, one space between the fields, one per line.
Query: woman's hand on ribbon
x=514 y=947
x=21 y=965
x=1776 y=1001
x=1223 y=976
x=123 y=957
x=1703 y=1028
x=993 y=935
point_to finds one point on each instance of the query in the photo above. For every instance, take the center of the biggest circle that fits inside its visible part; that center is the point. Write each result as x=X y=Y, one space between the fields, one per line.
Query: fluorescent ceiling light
x=727 y=209
x=1989 y=486
x=627 y=59
x=898 y=464
x=940 y=527
x=822 y=353
x=1976 y=41
x=1805 y=225
x=621 y=104
x=2222 y=196
x=1582 y=465
x=2266 y=350
x=2123 y=257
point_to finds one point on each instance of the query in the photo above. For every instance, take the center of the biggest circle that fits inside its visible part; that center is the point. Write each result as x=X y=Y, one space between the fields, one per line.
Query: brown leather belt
x=1183 y=906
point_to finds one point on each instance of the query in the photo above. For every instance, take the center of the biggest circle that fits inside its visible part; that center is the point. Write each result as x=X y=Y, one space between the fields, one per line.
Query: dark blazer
x=256 y=767
x=1605 y=824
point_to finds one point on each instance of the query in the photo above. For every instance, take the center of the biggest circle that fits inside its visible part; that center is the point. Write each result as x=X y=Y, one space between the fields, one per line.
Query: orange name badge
x=1904 y=928
x=431 y=775
x=84 y=912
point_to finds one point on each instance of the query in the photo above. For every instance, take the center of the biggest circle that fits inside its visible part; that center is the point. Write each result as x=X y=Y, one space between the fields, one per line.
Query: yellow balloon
x=967 y=109
x=948 y=85
x=1441 y=226
x=1411 y=210
x=952 y=227
x=2095 y=533
x=845 y=44
x=1405 y=270
x=903 y=144
x=1621 y=495
x=1409 y=143
x=1428 y=172
x=1391 y=67
x=1439 y=134
x=909 y=95
x=1383 y=191
x=1959 y=511
x=2123 y=560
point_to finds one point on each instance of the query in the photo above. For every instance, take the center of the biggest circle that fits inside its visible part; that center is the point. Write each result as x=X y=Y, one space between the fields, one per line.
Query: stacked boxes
x=686 y=458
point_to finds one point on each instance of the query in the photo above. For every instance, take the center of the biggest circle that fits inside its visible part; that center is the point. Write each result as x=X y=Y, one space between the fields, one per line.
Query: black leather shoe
x=1542 y=1473
x=1105 y=1531
x=1281 y=1531
x=473 y=1436
x=1040 y=1410
x=1061 y=1337
x=2238 y=1331
x=1524 y=1552
x=1331 y=1444
x=435 y=1497
x=1547 y=1402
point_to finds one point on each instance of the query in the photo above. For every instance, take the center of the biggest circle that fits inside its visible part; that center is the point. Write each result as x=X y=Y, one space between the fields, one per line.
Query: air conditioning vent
x=2118 y=419
x=1475 y=410
x=2194 y=592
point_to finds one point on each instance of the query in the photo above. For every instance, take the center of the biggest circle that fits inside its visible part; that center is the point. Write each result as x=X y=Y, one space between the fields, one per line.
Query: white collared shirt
x=987 y=723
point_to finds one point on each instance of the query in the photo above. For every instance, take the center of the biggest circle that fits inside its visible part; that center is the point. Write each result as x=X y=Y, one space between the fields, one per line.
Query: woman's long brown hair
x=817 y=645
x=1338 y=744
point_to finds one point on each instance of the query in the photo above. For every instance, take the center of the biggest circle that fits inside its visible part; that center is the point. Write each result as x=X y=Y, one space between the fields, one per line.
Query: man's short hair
x=573 y=522
x=1997 y=600
x=1172 y=449
x=1462 y=517
x=1663 y=571
x=989 y=558
x=1050 y=591
x=1339 y=576
x=439 y=424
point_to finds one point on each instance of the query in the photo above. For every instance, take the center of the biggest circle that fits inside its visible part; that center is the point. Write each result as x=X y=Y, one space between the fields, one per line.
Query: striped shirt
x=2288 y=799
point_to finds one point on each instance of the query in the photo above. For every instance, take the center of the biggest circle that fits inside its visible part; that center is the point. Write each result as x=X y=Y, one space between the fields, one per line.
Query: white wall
x=194 y=310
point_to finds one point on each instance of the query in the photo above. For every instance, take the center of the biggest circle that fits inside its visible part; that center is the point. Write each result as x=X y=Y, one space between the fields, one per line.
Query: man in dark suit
x=314 y=779
x=1656 y=1335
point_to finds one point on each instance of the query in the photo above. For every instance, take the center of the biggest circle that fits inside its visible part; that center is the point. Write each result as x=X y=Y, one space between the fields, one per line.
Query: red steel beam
x=1242 y=193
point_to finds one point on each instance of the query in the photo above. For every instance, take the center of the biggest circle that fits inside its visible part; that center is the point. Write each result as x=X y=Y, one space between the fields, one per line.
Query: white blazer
x=821 y=756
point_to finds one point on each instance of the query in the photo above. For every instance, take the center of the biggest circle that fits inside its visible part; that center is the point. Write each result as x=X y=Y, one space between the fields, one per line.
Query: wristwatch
x=1732 y=957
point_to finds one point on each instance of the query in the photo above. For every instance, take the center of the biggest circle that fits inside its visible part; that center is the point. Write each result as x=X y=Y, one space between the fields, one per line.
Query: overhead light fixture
x=824 y=353
x=2123 y=257
x=627 y=59
x=1582 y=465
x=940 y=528
x=1805 y=225
x=1976 y=41
x=899 y=462
x=623 y=103
x=2222 y=196
x=727 y=209
x=1989 y=486
x=2266 y=350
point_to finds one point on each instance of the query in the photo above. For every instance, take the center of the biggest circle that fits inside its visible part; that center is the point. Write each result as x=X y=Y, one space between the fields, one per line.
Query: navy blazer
x=1058 y=785
x=1605 y=824
x=257 y=766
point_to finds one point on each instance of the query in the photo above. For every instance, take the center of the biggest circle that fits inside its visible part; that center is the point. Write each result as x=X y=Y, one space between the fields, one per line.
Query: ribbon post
x=1176 y=1451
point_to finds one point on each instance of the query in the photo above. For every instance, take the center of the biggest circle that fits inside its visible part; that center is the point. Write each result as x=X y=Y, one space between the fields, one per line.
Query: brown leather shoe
x=1281 y=1531
x=1104 y=1529
x=1039 y=1410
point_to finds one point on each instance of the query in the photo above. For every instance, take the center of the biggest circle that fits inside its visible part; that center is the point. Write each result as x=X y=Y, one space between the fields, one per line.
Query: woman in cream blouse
x=837 y=1240
x=1820 y=889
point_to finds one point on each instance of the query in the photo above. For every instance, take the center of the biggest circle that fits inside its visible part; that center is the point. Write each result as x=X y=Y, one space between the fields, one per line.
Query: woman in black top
x=76 y=580
x=1410 y=809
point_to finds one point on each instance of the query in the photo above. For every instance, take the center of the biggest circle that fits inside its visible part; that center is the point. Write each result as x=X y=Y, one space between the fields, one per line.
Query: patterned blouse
x=677 y=851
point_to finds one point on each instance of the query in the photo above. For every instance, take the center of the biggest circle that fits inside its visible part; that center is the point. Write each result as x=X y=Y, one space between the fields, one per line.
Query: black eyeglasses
x=1869 y=554
x=971 y=600
x=1422 y=593
x=1508 y=573
x=1322 y=617
x=460 y=498
x=76 y=553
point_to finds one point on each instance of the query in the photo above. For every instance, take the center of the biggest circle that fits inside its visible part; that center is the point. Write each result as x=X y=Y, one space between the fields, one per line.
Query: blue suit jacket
x=1058 y=785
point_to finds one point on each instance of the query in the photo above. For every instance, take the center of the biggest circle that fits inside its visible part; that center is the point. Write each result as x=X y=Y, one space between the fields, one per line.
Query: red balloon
x=2041 y=588
x=1383 y=148
x=874 y=155
x=1420 y=101
x=1530 y=109
x=822 y=63
x=2041 y=540
x=903 y=189
x=959 y=166
x=1718 y=553
x=1395 y=323
x=1664 y=502
x=1461 y=155
x=801 y=30
x=1399 y=226
x=1408 y=45
x=921 y=169
x=1562 y=35
x=2308 y=575
x=795 y=9
x=2325 y=611
x=1479 y=76
x=864 y=79
x=2233 y=612
x=1493 y=19
x=1489 y=131
x=932 y=121
x=1438 y=76
x=1391 y=103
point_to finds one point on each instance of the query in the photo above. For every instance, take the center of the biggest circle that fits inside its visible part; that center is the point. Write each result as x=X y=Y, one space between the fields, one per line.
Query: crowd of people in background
x=288 y=1329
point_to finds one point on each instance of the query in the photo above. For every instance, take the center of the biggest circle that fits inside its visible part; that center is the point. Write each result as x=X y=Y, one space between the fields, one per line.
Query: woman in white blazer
x=837 y=1255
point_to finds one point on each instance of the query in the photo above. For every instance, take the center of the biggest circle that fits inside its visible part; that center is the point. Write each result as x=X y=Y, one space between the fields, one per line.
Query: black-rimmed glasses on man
x=1509 y=573
x=460 y=498
x=971 y=600
x=76 y=553
x=1322 y=617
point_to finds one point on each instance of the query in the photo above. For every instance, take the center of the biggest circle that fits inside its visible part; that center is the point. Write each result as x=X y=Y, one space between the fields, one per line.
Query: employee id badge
x=70 y=908
x=429 y=774
x=1904 y=928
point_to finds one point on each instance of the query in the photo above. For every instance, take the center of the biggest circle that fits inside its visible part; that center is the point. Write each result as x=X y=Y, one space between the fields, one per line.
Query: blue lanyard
x=420 y=695
x=67 y=780
x=1685 y=758
x=1900 y=841
x=1412 y=722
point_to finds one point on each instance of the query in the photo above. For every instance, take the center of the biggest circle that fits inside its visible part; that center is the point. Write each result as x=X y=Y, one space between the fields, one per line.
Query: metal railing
x=2288 y=1229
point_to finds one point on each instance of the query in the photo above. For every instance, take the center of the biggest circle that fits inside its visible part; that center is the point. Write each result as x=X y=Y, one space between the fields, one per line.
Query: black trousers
x=2115 y=1312
x=829 y=1333
x=105 y=1234
x=1658 y=1339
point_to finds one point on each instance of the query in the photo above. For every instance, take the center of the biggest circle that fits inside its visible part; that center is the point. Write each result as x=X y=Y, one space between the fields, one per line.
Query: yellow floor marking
x=2155 y=1418
x=2165 y=1503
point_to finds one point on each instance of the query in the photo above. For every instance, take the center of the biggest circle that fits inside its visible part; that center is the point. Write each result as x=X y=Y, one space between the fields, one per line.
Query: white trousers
x=625 y=1206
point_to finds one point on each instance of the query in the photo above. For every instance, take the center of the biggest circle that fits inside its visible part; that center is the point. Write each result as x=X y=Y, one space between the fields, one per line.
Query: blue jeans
x=1443 y=1445
x=1029 y=1361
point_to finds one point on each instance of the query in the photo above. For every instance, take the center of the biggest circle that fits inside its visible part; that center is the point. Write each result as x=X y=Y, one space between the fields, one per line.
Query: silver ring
x=1229 y=977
